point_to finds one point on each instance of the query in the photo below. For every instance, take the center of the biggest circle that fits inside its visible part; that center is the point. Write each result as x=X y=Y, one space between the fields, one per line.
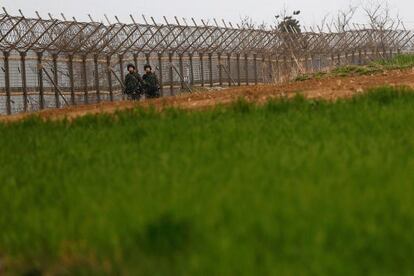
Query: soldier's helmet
x=147 y=66
x=131 y=66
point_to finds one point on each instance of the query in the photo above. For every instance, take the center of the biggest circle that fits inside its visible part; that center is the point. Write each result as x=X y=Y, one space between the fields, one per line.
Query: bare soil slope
x=325 y=88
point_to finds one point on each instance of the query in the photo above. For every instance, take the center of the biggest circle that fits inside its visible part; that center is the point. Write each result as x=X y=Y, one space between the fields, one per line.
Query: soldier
x=151 y=85
x=133 y=83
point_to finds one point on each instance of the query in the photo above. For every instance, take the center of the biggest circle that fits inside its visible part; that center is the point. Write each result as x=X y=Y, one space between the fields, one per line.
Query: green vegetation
x=294 y=187
x=402 y=61
x=398 y=62
x=354 y=70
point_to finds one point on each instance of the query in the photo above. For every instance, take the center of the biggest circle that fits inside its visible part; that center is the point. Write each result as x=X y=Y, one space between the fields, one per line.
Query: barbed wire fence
x=52 y=63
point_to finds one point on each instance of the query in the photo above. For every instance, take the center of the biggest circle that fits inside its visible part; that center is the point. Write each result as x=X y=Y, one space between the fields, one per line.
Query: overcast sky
x=230 y=10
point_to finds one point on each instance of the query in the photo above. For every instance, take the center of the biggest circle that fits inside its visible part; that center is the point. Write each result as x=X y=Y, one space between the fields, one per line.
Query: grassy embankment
x=290 y=188
x=401 y=62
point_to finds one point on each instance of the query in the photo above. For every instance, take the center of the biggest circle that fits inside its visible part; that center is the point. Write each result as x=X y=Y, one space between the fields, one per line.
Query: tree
x=290 y=24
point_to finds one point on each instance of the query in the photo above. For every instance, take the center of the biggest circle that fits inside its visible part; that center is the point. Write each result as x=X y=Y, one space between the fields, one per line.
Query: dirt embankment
x=326 y=88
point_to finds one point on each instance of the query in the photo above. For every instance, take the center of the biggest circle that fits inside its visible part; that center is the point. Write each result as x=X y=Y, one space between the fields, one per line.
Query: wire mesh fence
x=51 y=63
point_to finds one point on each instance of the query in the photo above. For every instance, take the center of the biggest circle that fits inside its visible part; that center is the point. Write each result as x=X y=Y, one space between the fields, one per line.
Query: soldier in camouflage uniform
x=151 y=85
x=133 y=83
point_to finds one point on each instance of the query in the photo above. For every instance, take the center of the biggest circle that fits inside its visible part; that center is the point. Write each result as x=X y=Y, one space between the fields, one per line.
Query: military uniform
x=151 y=85
x=133 y=85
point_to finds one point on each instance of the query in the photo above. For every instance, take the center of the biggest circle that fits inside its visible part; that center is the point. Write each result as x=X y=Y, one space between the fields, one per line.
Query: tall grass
x=294 y=187
x=398 y=62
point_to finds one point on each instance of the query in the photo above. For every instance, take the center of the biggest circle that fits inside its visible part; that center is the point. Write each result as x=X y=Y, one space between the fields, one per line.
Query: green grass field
x=294 y=187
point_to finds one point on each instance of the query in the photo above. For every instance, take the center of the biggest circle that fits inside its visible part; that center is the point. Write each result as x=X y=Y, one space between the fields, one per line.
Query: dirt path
x=327 y=88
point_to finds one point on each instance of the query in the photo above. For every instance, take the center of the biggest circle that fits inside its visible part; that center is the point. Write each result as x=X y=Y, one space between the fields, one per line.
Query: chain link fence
x=53 y=63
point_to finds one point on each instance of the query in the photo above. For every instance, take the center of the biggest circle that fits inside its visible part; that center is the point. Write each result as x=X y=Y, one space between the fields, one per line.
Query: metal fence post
x=263 y=69
x=229 y=66
x=121 y=67
x=7 y=81
x=256 y=77
x=161 y=79
x=220 y=69
x=55 y=80
x=109 y=76
x=202 y=68
x=285 y=67
x=171 y=73
x=365 y=55
x=271 y=69
x=97 y=85
x=136 y=61
x=147 y=58
x=72 y=81
x=210 y=68
x=238 y=69
x=306 y=60
x=85 y=80
x=313 y=62
x=24 y=80
x=40 y=80
x=246 y=66
x=181 y=65
x=190 y=57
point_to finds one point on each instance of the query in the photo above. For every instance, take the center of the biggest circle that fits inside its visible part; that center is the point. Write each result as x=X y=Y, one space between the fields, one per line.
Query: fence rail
x=51 y=63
